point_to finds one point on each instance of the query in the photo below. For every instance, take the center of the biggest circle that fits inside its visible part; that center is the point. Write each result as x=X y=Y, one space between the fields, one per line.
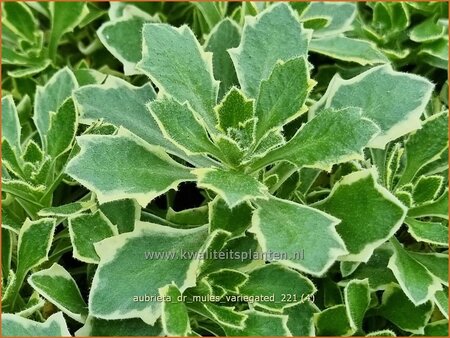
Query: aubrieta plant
x=303 y=211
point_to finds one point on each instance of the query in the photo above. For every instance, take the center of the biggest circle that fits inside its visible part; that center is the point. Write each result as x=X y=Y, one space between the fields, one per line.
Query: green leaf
x=65 y=17
x=34 y=304
x=119 y=96
x=174 y=318
x=441 y=300
x=339 y=16
x=182 y=126
x=14 y=325
x=415 y=279
x=173 y=54
x=234 y=220
x=234 y=110
x=122 y=213
x=124 y=255
x=282 y=95
x=428 y=232
x=190 y=217
x=123 y=39
x=62 y=129
x=11 y=128
x=425 y=145
x=331 y=137
x=211 y=12
x=398 y=309
x=66 y=210
x=274 y=34
x=261 y=324
x=87 y=77
x=287 y=287
x=234 y=187
x=438 y=208
x=50 y=98
x=376 y=270
x=437 y=328
x=375 y=215
x=427 y=31
x=349 y=50
x=400 y=100
x=241 y=246
x=33 y=152
x=357 y=301
x=301 y=318
x=35 y=239
x=436 y=263
x=228 y=279
x=333 y=321
x=20 y=19
x=10 y=160
x=231 y=151
x=23 y=190
x=57 y=286
x=225 y=316
x=87 y=229
x=435 y=53
x=125 y=327
x=118 y=167
x=278 y=229
x=427 y=188
x=7 y=249
x=332 y=294
x=225 y=35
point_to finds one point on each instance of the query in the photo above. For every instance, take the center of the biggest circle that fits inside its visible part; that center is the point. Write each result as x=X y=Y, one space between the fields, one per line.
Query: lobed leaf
x=425 y=145
x=339 y=17
x=357 y=301
x=398 y=309
x=375 y=215
x=428 y=232
x=123 y=39
x=333 y=321
x=225 y=35
x=124 y=255
x=62 y=129
x=261 y=324
x=348 y=49
x=294 y=230
x=414 y=278
x=234 y=220
x=57 y=286
x=123 y=327
x=330 y=138
x=301 y=318
x=287 y=286
x=274 y=34
x=190 y=78
x=11 y=129
x=117 y=167
x=87 y=229
x=182 y=126
x=35 y=239
x=174 y=318
x=50 y=98
x=234 y=187
x=122 y=213
x=15 y=325
x=393 y=100
x=282 y=95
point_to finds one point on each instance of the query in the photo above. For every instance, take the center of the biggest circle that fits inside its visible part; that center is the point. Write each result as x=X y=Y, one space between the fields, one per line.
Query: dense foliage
x=225 y=169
